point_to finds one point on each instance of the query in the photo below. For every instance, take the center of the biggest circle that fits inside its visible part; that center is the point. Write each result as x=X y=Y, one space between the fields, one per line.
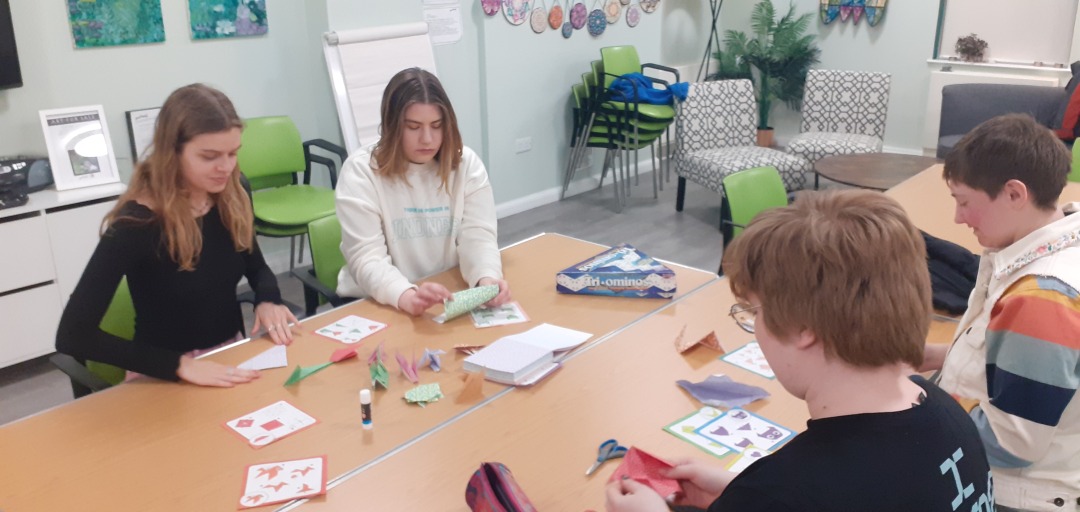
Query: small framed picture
x=140 y=125
x=80 y=149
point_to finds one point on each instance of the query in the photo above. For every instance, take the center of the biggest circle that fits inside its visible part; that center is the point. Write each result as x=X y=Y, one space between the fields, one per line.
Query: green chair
x=271 y=157
x=746 y=194
x=320 y=279
x=91 y=376
x=1074 y=175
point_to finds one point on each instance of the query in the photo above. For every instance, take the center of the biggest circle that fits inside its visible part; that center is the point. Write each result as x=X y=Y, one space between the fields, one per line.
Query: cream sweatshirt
x=395 y=232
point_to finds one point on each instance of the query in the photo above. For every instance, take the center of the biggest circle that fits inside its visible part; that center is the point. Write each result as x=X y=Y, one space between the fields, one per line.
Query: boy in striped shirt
x=1016 y=357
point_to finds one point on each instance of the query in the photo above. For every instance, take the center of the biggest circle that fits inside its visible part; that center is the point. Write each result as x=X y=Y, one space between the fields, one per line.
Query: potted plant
x=971 y=48
x=776 y=58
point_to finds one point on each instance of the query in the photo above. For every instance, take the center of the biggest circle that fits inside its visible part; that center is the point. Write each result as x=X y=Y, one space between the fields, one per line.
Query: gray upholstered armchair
x=965 y=106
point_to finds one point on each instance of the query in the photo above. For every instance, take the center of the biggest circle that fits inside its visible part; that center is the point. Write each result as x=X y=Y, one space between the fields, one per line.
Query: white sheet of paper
x=270 y=423
x=509 y=313
x=739 y=429
x=751 y=358
x=552 y=337
x=351 y=329
x=270 y=358
x=275 y=482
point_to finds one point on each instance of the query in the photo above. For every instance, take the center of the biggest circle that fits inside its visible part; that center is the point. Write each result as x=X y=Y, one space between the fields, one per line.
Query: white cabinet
x=44 y=247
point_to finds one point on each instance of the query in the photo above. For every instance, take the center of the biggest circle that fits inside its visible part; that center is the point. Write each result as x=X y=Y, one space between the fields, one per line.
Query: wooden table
x=932 y=209
x=152 y=445
x=878 y=171
x=622 y=388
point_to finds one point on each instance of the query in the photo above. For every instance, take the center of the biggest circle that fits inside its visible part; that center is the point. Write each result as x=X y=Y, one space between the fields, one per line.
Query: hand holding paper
x=467 y=300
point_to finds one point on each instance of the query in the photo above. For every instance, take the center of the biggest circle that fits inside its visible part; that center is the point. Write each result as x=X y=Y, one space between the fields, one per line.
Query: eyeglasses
x=744 y=314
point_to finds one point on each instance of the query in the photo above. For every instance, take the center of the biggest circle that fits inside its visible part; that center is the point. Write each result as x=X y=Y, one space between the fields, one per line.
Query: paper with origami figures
x=509 y=313
x=748 y=457
x=739 y=429
x=721 y=391
x=424 y=394
x=351 y=329
x=408 y=368
x=273 y=357
x=646 y=469
x=751 y=358
x=431 y=359
x=686 y=429
x=342 y=354
x=278 y=482
x=270 y=423
x=467 y=300
x=303 y=372
x=473 y=390
x=468 y=349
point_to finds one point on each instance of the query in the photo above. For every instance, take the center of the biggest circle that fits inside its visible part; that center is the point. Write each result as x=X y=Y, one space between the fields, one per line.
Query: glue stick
x=365 y=408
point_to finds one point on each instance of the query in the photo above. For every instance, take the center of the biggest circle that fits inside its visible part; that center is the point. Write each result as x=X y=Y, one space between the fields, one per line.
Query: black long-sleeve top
x=176 y=311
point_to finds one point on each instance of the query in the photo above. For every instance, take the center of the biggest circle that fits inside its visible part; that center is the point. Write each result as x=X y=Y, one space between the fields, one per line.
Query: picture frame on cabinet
x=80 y=149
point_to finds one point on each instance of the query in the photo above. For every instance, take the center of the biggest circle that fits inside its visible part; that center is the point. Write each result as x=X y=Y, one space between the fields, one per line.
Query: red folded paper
x=646 y=469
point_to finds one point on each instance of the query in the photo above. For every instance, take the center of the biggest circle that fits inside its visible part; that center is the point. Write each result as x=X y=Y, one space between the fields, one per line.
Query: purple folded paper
x=721 y=391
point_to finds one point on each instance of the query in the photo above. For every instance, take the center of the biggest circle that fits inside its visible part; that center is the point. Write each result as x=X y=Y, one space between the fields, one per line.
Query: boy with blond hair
x=836 y=289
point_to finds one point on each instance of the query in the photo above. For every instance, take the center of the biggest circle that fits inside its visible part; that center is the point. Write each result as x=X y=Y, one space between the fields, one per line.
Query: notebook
x=524 y=358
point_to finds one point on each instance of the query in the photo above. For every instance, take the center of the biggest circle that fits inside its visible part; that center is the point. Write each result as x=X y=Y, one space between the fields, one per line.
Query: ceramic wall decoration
x=633 y=15
x=649 y=5
x=612 y=10
x=538 y=18
x=597 y=21
x=555 y=16
x=516 y=11
x=491 y=7
x=579 y=15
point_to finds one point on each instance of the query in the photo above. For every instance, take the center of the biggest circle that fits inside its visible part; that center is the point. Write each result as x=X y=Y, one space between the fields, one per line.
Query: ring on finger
x=272 y=327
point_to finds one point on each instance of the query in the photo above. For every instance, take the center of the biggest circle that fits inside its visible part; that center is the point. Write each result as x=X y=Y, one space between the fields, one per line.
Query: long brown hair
x=409 y=86
x=188 y=112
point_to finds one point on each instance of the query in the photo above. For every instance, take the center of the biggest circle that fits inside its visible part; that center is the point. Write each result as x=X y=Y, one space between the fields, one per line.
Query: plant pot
x=765 y=137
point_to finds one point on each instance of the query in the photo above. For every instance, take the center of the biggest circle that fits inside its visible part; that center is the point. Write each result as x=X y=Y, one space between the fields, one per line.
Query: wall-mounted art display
x=853 y=10
x=555 y=15
x=538 y=18
x=115 y=22
x=491 y=7
x=633 y=15
x=579 y=15
x=649 y=5
x=612 y=10
x=597 y=20
x=214 y=19
x=517 y=11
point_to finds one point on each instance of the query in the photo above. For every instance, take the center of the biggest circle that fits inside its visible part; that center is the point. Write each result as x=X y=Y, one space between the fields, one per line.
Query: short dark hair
x=1011 y=147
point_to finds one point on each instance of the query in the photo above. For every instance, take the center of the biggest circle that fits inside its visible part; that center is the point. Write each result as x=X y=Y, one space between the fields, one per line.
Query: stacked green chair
x=91 y=376
x=321 y=278
x=272 y=157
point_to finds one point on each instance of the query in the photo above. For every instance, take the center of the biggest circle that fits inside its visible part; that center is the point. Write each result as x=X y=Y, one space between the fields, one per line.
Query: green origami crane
x=379 y=375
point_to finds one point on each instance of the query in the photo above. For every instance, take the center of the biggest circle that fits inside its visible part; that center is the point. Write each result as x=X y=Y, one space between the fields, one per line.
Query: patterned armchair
x=716 y=132
x=843 y=112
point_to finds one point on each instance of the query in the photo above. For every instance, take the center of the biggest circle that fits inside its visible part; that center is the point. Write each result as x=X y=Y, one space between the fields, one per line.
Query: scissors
x=609 y=449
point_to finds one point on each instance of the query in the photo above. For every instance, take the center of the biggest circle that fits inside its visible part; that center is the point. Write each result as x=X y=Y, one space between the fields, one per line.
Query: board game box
x=621 y=271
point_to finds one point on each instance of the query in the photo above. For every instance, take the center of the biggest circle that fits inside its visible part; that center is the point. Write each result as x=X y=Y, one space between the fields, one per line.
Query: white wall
x=899 y=45
x=262 y=75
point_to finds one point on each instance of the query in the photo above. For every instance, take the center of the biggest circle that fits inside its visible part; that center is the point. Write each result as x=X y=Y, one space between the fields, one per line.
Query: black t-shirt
x=925 y=459
x=176 y=311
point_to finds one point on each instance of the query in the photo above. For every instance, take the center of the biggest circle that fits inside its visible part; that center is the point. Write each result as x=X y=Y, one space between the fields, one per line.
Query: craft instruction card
x=739 y=429
x=510 y=313
x=276 y=482
x=749 y=357
x=270 y=423
x=686 y=429
x=351 y=329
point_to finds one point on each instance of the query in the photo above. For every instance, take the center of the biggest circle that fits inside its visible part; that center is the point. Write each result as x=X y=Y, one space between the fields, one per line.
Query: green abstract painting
x=212 y=19
x=115 y=22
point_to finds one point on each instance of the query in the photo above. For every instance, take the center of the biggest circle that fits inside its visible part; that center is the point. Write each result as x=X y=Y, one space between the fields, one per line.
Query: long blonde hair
x=189 y=111
x=407 y=87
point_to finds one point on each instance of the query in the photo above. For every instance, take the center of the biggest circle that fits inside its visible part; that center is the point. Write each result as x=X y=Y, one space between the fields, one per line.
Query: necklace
x=203 y=208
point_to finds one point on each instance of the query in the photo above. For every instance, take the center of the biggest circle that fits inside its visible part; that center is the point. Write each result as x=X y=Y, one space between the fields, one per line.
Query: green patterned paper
x=468 y=300
x=379 y=375
x=424 y=394
x=303 y=372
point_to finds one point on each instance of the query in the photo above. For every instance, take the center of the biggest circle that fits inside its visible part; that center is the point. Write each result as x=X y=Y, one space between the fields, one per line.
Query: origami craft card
x=277 y=482
x=751 y=358
x=270 y=423
x=467 y=300
x=351 y=329
x=424 y=394
x=686 y=429
x=739 y=429
x=748 y=457
x=509 y=313
x=646 y=469
x=721 y=391
x=273 y=357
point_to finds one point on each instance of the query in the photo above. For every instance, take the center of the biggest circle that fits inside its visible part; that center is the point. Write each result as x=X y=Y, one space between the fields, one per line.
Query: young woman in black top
x=183 y=234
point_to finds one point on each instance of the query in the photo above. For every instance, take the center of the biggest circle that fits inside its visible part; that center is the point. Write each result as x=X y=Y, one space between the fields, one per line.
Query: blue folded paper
x=721 y=391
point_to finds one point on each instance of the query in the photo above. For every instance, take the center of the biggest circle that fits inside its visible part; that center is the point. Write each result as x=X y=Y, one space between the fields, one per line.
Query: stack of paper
x=523 y=358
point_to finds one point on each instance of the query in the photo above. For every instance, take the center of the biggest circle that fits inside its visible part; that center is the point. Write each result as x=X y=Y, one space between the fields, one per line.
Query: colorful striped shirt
x=1032 y=363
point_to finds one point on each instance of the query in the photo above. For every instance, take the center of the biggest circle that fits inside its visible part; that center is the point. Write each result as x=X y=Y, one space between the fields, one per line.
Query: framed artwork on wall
x=115 y=23
x=215 y=19
x=80 y=150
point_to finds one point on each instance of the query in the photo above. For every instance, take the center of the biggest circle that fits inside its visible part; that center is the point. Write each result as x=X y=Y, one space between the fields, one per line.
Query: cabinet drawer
x=30 y=319
x=74 y=233
x=26 y=257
